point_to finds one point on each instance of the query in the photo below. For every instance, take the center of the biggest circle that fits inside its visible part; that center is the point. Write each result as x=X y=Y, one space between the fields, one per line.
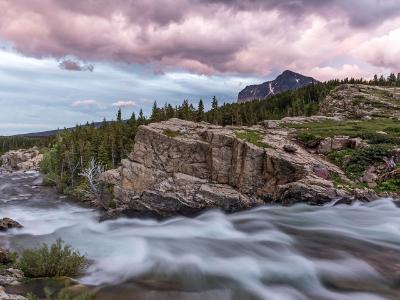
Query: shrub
x=392 y=185
x=310 y=140
x=54 y=261
x=354 y=162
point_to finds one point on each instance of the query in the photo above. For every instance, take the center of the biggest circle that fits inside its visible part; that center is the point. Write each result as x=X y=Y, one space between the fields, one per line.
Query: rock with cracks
x=183 y=167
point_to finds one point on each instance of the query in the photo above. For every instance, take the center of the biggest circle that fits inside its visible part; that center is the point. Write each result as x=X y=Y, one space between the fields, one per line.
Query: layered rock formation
x=22 y=160
x=182 y=167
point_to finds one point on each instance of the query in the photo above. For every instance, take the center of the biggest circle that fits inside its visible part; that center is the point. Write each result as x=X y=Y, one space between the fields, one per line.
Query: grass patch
x=366 y=129
x=355 y=162
x=253 y=137
x=171 y=133
x=54 y=261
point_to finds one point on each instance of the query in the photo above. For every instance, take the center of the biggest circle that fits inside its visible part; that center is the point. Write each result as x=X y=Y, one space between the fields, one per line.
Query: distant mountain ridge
x=288 y=80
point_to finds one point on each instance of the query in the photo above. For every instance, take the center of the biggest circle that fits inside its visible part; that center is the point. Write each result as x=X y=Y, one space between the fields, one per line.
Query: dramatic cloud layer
x=209 y=37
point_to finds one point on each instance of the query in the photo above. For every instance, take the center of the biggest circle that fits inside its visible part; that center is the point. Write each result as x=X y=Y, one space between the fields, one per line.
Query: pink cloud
x=207 y=37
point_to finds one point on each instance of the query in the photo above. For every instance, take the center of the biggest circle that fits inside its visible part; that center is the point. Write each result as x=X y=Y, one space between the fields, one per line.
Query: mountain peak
x=288 y=80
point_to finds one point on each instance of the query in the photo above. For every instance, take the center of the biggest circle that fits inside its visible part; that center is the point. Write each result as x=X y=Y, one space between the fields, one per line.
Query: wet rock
x=7 y=223
x=5 y=296
x=315 y=192
x=365 y=194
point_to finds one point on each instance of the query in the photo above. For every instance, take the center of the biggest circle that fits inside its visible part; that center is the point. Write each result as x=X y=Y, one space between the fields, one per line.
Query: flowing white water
x=299 y=252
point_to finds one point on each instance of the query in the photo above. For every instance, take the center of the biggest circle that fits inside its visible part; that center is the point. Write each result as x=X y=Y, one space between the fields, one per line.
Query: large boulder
x=182 y=167
x=7 y=223
x=340 y=143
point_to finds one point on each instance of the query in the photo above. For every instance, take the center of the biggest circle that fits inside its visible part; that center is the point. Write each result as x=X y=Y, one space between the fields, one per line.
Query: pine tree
x=141 y=120
x=154 y=113
x=119 y=115
x=200 y=111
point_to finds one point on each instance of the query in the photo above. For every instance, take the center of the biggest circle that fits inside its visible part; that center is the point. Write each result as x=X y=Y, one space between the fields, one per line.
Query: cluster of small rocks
x=9 y=276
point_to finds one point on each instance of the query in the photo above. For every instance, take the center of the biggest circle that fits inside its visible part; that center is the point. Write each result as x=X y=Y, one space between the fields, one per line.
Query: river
x=278 y=253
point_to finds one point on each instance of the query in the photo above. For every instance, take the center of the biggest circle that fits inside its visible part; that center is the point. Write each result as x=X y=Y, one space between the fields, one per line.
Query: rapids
x=278 y=253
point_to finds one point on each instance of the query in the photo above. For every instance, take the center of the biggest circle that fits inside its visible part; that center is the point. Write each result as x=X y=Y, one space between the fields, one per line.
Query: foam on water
x=268 y=252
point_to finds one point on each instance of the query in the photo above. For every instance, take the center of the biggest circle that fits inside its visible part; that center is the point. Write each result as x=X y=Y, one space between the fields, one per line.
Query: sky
x=67 y=62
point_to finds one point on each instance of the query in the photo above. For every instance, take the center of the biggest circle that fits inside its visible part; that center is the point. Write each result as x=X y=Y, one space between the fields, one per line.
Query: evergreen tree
x=200 y=111
x=119 y=115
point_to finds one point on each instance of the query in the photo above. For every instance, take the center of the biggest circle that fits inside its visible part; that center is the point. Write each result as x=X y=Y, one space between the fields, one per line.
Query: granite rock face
x=182 y=167
x=22 y=160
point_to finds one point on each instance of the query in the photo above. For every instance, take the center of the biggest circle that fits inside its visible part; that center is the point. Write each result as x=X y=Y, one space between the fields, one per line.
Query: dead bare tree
x=92 y=174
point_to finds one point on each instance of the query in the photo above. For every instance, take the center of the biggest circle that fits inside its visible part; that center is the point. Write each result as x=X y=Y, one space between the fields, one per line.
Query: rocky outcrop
x=23 y=159
x=357 y=101
x=10 y=277
x=203 y=166
x=7 y=223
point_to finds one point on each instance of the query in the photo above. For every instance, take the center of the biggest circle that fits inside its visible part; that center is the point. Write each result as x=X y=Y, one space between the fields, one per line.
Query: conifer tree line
x=70 y=151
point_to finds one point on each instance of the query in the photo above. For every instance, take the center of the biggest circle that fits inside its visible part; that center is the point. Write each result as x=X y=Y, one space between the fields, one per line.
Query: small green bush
x=58 y=260
x=309 y=139
x=392 y=185
x=354 y=162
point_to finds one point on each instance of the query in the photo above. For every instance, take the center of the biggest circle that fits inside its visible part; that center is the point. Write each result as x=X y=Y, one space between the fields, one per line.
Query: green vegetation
x=62 y=295
x=8 y=143
x=392 y=185
x=309 y=139
x=355 y=161
x=54 y=261
x=375 y=131
x=253 y=137
x=170 y=133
